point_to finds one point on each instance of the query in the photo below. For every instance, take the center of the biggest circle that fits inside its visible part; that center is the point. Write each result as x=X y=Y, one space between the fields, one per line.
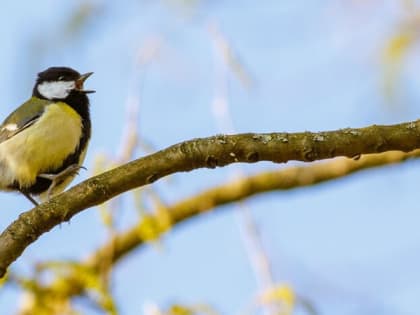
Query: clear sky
x=350 y=246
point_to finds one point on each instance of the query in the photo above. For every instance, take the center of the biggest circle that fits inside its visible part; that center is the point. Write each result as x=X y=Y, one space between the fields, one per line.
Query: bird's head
x=58 y=83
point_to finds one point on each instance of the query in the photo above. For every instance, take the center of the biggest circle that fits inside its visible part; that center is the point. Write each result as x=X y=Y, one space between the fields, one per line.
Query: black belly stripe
x=80 y=103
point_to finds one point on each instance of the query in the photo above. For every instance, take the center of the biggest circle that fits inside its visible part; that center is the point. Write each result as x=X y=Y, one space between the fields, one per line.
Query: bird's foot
x=56 y=179
x=30 y=198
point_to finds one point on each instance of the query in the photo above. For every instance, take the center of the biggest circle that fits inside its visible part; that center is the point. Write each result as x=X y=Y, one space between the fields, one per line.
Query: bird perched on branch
x=43 y=142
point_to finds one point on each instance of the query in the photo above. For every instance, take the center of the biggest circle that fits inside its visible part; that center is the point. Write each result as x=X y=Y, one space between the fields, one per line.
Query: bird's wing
x=23 y=117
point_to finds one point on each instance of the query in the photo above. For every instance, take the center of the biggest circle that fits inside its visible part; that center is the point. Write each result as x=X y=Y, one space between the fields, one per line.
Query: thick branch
x=289 y=178
x=198 y=153
x=237 y=190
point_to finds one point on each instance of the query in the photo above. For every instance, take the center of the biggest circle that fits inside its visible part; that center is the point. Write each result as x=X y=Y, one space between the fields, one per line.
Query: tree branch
x=240 y=189
x=123 y=243
x=198 y=153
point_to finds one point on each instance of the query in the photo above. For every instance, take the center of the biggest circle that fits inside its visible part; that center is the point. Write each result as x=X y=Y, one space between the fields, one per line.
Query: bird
x=43 y=142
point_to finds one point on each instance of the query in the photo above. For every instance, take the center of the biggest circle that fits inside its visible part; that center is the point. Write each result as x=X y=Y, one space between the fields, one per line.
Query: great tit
x=43 y=142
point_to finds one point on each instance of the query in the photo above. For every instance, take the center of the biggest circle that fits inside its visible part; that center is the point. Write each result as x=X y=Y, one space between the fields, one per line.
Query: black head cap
x=58 y=74
x=58 y=83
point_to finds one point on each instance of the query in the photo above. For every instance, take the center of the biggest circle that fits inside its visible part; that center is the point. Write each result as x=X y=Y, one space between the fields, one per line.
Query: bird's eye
x=61 y=78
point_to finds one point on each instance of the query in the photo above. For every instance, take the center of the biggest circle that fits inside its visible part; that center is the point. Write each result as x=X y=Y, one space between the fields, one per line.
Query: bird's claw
x=56 y=179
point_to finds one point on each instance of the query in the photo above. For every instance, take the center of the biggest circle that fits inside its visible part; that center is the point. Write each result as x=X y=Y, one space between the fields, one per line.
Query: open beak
x=81 y=80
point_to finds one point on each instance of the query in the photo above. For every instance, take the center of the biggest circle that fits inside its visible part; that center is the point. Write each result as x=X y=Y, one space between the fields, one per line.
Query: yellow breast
x=41 y=147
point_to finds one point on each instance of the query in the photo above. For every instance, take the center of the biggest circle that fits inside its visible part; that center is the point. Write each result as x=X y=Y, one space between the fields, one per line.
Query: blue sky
x=350 y=246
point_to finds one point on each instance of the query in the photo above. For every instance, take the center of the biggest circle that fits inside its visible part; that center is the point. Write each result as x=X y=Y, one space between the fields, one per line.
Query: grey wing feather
x=8 y=133
x=22 y=118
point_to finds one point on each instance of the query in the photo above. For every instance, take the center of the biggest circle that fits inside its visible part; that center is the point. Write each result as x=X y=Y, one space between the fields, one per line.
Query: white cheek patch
x=56 y=89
